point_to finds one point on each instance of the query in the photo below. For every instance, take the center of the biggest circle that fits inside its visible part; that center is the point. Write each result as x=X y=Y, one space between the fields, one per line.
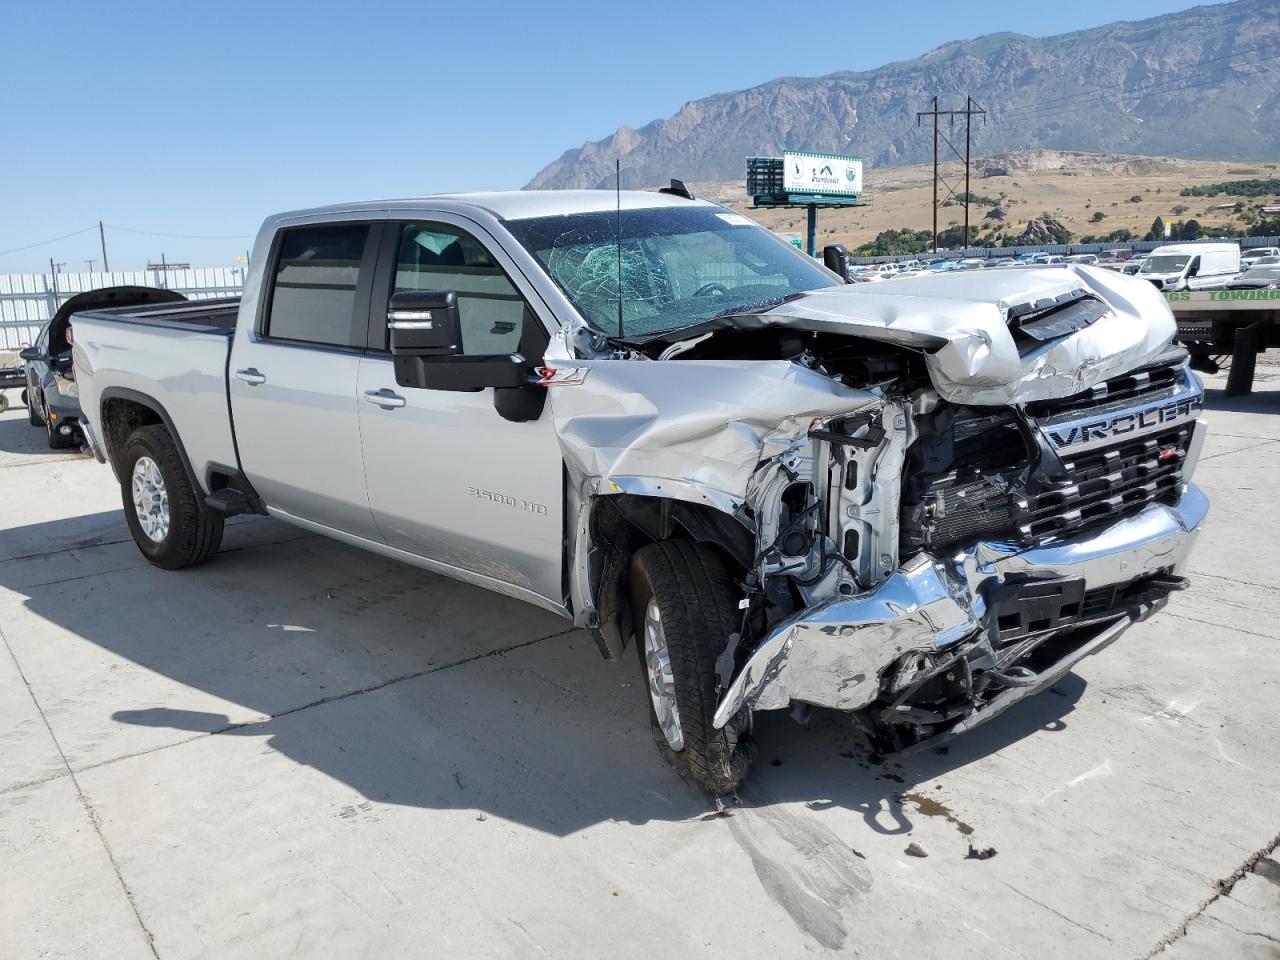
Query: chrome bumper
x=833 y=654
x=91 y=441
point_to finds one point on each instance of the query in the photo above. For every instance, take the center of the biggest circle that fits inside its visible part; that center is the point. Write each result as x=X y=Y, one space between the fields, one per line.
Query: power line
x=181 y=236
x=32 y=246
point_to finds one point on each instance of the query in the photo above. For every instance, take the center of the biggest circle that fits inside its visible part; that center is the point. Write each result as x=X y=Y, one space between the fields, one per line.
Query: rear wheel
x=33 y=408
x=169 y=523
x=683 y=609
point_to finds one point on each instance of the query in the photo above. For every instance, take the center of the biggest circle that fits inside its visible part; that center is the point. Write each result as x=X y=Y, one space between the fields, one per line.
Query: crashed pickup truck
x=916 y=502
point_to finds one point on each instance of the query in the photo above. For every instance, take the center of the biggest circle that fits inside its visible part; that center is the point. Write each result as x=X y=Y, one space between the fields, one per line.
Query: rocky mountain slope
x=1203 y=83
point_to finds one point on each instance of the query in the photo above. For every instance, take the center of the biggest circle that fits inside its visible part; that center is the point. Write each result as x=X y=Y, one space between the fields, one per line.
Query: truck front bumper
x=845 y=652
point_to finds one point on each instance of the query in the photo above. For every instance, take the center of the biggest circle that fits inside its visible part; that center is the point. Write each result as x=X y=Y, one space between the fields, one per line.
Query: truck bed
x=206 y=316
x=173 y=356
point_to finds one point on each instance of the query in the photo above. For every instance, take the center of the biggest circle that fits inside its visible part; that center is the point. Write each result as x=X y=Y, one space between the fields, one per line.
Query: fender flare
x=156 y=407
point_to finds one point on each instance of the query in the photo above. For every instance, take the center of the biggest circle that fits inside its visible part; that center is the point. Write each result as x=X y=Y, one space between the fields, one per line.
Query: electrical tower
x=970 y=111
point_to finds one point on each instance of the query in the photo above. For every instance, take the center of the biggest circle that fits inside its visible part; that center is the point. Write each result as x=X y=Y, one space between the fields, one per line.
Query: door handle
x=384 y=398
x=251 y=377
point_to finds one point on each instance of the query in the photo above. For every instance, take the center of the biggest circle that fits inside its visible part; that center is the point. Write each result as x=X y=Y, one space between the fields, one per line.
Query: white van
x=1191 y=266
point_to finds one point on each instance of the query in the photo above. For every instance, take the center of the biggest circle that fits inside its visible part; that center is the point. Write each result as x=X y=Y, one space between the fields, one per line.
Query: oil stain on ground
x=930 y=807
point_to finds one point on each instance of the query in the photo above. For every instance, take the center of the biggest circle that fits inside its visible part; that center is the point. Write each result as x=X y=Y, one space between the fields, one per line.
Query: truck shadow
x=408 y=688
x=18 y=436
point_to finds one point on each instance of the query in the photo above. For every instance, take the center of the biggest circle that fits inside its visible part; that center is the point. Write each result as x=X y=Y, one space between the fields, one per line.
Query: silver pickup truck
x=917 y=502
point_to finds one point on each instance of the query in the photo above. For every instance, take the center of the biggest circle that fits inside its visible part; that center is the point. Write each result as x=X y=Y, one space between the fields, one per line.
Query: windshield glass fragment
x=679 y=267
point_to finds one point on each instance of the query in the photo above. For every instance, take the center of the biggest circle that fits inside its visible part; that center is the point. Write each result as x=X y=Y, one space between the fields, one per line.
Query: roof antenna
x=617 y=241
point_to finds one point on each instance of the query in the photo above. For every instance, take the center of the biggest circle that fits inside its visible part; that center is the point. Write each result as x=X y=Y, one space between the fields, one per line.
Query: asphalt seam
x=1058 y=913
x=233 y=727
x=89 y=810
x=1223 y=889
x=1219 y=623
x=1228 y=453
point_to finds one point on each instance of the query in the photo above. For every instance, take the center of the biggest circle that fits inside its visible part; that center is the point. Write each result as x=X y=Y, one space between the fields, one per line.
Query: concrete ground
x=303 y=750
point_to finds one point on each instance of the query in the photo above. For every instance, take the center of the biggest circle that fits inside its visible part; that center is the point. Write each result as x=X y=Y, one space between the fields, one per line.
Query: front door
x=293 y=378
x=449 y=478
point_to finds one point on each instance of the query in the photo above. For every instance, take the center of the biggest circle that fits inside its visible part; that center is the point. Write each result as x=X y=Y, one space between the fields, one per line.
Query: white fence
x=27 y=300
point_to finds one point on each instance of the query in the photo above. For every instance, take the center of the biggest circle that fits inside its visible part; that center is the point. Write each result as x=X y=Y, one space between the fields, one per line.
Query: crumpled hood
x=960 y=320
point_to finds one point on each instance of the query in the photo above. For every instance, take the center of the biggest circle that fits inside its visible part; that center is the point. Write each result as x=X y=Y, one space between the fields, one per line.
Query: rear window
x=313 y=293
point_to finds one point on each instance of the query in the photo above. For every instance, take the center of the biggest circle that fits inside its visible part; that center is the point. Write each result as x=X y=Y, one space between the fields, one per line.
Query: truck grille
x=985 y=496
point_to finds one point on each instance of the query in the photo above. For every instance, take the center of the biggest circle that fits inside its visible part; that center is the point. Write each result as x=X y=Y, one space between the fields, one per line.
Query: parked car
x=1084 y=259
x=1266 y=277
x=664 y=424
x=1191 y=266
x=51 y=394
x=1253 y=255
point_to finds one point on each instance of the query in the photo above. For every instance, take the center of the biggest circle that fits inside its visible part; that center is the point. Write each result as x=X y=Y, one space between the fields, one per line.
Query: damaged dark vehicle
x=917 y=503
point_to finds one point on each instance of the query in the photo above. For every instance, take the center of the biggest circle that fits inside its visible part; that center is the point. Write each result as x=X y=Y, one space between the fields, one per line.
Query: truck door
x=293 y=377
x=449 y=478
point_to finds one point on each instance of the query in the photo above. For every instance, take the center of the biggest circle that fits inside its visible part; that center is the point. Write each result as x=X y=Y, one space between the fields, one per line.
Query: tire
x=194 y=532
x=33 y=415
x=693 y=595
x=4 y=402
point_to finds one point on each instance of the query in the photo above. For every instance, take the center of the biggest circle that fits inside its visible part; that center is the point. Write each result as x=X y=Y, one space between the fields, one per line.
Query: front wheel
x=683 y=610
x=170 y=525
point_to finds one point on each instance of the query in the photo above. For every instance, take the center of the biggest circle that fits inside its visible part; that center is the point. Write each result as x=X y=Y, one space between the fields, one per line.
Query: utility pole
x=102 y=235
x=971 y=110
x=89 y=264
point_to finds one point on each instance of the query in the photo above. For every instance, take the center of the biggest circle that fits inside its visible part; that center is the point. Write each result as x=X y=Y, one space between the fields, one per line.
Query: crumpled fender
x=691 y=429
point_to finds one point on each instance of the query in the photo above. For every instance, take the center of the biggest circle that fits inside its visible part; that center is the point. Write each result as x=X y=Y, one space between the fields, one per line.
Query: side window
x=491 y=312
x=313 y=293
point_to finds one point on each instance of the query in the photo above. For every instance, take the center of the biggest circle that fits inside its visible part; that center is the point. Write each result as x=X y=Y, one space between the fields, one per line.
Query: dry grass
x=1072 y=192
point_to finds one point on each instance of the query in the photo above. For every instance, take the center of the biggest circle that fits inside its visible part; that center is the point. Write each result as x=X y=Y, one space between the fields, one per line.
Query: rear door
x=293 y=376
x=449 y=478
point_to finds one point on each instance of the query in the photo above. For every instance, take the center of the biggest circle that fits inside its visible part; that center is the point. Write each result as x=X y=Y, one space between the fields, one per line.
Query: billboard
x=821 y=173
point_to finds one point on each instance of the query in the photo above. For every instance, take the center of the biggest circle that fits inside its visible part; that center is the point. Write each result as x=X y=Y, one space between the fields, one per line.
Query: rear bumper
x=836 y=654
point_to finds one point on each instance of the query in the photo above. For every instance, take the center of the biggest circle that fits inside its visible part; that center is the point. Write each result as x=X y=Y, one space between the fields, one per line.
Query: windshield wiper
x=758 y=307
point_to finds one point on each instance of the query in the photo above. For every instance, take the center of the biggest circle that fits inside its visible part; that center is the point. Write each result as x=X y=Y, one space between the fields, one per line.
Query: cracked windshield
x=679 y=267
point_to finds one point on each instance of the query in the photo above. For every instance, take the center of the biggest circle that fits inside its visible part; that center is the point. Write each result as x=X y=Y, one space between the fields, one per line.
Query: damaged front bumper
x=978 y=619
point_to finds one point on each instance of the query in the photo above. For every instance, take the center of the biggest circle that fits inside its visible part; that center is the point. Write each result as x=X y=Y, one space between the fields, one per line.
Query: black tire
x=195 y=531
x=4 y=401
x=695 y=598
x=33 y=415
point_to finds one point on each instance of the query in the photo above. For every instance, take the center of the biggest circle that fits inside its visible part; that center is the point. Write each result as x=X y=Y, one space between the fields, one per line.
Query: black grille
x=1102 y=486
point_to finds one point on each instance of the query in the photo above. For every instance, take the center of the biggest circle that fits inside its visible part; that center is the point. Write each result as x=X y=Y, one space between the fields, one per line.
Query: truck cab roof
x=512 y=204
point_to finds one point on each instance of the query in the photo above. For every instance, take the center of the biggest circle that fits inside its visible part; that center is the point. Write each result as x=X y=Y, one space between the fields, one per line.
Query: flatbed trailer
x=1214 y=323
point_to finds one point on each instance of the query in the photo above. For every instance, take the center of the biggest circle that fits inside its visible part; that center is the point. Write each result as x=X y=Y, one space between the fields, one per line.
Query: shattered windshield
x=679 y=266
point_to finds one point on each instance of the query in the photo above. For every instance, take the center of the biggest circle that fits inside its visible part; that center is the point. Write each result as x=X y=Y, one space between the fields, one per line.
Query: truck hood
x=961 y=320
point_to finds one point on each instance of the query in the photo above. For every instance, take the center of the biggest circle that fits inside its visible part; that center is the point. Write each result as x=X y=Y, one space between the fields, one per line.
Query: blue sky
x=200 y=119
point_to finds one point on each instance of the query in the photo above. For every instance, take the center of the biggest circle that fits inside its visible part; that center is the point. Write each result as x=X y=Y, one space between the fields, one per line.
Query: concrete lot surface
x=302 y=750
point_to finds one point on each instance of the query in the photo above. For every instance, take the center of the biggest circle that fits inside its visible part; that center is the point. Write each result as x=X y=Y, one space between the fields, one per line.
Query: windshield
x=680 y=266
x=1166 y=263
x=1262 y=273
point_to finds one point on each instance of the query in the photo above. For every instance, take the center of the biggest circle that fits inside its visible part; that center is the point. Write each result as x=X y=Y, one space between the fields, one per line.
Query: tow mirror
x=427 y=348
x=32 y=355
x=836 y=259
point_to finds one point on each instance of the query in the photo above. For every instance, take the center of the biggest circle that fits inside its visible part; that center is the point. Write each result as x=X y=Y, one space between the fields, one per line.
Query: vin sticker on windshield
x=734 y=219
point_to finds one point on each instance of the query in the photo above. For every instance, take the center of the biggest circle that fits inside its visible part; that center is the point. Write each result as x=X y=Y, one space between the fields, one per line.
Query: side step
x=229 y=502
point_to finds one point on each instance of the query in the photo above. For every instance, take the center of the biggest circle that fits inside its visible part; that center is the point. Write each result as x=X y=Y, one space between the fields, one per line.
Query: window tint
x=314 y=295
x=433 y=256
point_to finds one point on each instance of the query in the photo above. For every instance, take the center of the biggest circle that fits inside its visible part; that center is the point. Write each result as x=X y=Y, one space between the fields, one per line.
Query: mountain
x=1203 y=83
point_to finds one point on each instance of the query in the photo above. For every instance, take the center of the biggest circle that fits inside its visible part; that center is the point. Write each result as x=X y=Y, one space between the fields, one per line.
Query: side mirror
x=836 y=259
x=427 y=349
x=32 y=355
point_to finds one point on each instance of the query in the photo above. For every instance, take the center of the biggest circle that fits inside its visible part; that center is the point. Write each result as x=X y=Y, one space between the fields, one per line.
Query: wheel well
x=621 y=524
x=120 y=417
